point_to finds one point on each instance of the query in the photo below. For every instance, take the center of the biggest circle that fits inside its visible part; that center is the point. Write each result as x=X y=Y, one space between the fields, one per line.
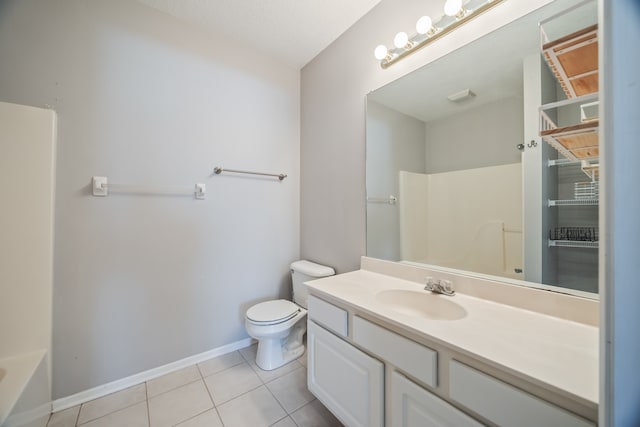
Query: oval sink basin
x=423 y=304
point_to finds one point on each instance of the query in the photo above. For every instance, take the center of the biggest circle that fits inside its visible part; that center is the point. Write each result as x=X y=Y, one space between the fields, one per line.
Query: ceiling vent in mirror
x=461 y=96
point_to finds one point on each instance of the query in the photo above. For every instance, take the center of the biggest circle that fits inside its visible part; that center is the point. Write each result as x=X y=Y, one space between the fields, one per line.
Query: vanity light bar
x=456 y=14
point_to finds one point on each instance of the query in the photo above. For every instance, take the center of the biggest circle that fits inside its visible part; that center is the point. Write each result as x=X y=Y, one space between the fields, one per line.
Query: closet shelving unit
x=573 y=244
x=574 y=202
x=573 y=60
x=574 y=142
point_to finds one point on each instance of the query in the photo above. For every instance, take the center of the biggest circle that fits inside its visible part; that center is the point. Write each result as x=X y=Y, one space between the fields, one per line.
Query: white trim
x=619 y=226
x=121 y=384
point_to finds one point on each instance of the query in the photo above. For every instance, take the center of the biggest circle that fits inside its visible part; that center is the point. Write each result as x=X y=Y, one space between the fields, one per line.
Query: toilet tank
x=303 y=271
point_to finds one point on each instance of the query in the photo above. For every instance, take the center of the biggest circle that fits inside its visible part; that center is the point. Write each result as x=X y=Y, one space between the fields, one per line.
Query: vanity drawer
x=409 y=356
x=504 y=404
x=328 y=315
x=413 y=406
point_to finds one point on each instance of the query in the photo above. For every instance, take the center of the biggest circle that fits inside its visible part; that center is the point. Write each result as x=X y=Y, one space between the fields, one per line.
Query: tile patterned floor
x=229 y=391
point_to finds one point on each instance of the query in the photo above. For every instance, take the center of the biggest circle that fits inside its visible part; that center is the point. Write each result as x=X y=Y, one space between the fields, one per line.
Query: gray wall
x=144 y=280
x=333 y=87
x=395 y=142
x=481 y=137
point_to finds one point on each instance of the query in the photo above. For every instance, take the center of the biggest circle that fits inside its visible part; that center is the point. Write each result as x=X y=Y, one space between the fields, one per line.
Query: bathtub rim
x=19 y=370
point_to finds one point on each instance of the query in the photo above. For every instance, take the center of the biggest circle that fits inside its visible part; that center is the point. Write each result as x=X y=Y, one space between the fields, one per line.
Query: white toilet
x=280 y=325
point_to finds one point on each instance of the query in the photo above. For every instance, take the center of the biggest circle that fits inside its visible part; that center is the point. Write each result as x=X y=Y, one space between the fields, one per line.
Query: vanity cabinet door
x=413 y=406
x=347 y=381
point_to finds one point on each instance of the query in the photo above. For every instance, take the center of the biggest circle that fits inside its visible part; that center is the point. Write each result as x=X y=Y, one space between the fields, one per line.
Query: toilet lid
x=272 y=311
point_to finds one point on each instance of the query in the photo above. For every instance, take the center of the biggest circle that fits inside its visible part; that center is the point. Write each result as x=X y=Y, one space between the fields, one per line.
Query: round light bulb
x=401 y=39
x=452 y=7
x=380 y=52
x=423 y=25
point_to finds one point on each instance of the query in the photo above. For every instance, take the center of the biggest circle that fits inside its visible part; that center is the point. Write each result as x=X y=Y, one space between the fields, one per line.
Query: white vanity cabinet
x=368 y=373
x=349 y=382
x=411 y=405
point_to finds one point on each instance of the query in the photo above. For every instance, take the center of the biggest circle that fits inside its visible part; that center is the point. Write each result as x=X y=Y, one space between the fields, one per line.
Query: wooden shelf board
x=574 y=61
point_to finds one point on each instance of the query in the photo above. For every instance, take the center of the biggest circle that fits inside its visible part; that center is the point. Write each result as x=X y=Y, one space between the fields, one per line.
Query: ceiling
x=293 y=31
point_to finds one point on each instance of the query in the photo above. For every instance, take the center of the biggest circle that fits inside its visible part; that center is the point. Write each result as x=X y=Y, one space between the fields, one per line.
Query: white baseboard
x=121 y=384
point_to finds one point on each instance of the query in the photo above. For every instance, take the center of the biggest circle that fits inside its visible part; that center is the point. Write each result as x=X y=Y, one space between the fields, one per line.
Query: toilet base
x=269 y=359
x=274 y=353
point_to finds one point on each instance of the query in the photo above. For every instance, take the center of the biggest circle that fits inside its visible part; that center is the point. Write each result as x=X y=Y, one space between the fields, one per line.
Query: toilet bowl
x=280 y=325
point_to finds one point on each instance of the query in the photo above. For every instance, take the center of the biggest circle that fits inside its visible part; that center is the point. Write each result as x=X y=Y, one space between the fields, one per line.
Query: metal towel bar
x=219 y=170
x=391 y=200
x=102 y=187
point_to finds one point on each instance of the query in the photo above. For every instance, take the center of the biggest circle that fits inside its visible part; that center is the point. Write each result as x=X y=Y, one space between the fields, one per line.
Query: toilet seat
x=272 y=312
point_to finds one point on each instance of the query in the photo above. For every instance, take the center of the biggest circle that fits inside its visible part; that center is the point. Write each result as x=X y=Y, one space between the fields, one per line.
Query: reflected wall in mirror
x=458 y=174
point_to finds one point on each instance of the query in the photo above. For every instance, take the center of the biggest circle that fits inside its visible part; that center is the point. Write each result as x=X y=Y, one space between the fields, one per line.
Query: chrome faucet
x=438 y=286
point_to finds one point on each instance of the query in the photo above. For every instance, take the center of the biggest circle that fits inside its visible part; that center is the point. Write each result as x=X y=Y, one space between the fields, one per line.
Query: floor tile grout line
x=202 y=378
x=263 y=383
x=77 y=416
x=286 y=416
x=266 y=383
x=254 y=366
x=219 y=416
x=298 y=408
x=192 y=417
x=116 y=410
x=240 y=395
x=223 y=370
x=199 y=370
x=256 y=372
x=109 y=413
x=279 y=403
x=184 y=385
x=213 y=402
x=174 y=388
x=243 y=356
x=146 y=390
x=215 y=407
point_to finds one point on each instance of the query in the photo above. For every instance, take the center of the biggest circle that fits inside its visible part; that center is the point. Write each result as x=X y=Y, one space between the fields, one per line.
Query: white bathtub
x=24 y=390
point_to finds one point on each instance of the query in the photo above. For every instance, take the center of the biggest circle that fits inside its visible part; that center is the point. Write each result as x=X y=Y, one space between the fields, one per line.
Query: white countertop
x=541 y=348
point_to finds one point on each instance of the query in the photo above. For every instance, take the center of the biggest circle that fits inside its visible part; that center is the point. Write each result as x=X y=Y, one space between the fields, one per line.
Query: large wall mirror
x=486 y=160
